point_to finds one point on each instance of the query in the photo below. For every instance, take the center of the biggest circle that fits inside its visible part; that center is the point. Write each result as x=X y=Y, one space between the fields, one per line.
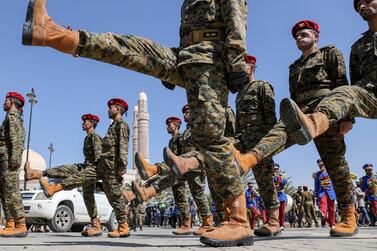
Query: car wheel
x=112 y=223
x=62 y=220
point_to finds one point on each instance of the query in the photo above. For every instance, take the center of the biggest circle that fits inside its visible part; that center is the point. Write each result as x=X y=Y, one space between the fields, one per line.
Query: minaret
x=143 y=125
x=135 y=136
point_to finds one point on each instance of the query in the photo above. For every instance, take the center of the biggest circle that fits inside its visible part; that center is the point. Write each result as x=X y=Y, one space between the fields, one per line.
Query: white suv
x=65 y=210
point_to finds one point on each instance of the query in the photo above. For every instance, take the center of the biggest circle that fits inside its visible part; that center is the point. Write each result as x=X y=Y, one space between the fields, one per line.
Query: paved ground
x=161 y=239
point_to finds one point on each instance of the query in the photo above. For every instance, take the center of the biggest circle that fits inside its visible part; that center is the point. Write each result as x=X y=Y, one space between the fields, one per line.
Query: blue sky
x=67 y=87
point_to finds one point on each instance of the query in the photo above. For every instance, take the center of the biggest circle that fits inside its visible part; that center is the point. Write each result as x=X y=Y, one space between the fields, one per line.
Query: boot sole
x=140 y=168
x=344 y=234
x=188 y=233
x=247 y=241
x=94 y=235
x=27 y=29
x=43 y=189
x=138 y=199
x=15 y=235
x=170 y=163
x=267 y=235
x=289 y=115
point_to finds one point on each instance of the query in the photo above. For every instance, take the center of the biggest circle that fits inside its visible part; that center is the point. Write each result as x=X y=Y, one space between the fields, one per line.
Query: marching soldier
x=298 y=199
x=92 y=152
x=208 y=63
x=308 y=202
x=110 y=167
x=311 y=77
x=194 y=178
x=12 y=139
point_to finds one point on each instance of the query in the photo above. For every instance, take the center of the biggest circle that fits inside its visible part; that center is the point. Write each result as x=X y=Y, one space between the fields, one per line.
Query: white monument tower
x=143 y=125
x=135 y=145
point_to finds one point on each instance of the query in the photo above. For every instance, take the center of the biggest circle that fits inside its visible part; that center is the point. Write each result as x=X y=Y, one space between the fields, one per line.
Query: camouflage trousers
x=10 y=192
x=310 y=214
x=206 y=90
x=112 y=184
x=349 y=101
x=67 y=171
x=331 y=148
x=196 y=184
x=164 y=168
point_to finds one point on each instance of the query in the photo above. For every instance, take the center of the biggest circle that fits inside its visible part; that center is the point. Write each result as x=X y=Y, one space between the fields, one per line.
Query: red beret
x=90 y=117
x=173 y=119
x=250 y=59
x=118 y=101
x=17 y=96
x=185 y=108
x=304 y=24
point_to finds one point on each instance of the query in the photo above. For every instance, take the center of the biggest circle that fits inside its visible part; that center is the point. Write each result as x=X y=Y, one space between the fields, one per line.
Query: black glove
x=167 y=85
x=237 y=80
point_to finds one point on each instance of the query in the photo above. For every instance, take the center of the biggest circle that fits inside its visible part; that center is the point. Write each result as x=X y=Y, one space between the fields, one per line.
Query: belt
x=197 y=36
x=312 y=94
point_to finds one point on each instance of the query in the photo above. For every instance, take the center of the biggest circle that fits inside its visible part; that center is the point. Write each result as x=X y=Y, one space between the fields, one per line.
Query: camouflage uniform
x=255 y=117
x=359 y=99
x=310 y=80
x=92 y=152
x=195 y=179
x=213 y=36
x=12 y=139
x=307 y=200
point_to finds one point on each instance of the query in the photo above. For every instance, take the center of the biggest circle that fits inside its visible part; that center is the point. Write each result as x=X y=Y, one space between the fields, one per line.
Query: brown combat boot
x=143 y=193
x=9 y=226
x=32 y=174
x=19 y=230
x=185 y=229
x=245 y=161
x=40 y=30
x=145 y=169
x=347 y=225
x=207 y=225
x=303 y=128
x=94 y=230
x=129 y=195
x=121 y=232
x=272 y=227
x=49 y=189
x=180 y=165
x=234 y=232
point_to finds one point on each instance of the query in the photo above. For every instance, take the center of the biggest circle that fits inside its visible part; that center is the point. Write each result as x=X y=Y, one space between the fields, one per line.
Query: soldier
x=255 y=116
x=183 y=146
x=92 y=152
x=12 y=139
x=208 y=63
x=324 y=193
x=368 y=184
x=307 y=200
x=280 y=182
x=314 y=75
x=298 y=198
x=110 y=167
x=141 y=215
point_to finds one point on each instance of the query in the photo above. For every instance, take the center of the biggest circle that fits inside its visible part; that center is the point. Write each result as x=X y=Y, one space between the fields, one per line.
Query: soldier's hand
x=237 y=80
x=168 y=85
x=345 y=127
x=14 y=165
x=121 y=172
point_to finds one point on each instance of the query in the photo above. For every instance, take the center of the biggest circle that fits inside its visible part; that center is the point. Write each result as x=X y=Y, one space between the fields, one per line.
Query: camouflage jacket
x=363 y=61
x=255 y=114
x=115 y=143
x=307 y=197
x=322 y=70
x=12 y=137
x=230 y=126
x=92 y=148
x=185 y=141
x=229 y=16
x=174 y=144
